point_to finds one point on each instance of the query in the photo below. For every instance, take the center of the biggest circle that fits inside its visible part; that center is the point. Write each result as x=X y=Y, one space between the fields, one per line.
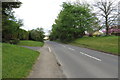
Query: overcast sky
x=40 y=13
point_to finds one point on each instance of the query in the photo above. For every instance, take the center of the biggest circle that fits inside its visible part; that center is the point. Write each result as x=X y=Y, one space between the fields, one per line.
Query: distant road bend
x=79 y=62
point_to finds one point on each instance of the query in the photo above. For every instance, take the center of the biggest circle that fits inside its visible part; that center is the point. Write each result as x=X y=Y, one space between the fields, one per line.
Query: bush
x=15 y=41
x=116 y=34
x=90 y=35
x=37 y=34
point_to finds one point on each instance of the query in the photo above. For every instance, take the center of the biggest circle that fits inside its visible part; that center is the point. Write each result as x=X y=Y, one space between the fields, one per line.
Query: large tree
x=72 y=22
x=7 y=9
x=107 y=10
x=10 y=25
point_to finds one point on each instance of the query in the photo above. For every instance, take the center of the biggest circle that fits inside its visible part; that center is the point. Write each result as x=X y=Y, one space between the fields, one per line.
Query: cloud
x=38 y=13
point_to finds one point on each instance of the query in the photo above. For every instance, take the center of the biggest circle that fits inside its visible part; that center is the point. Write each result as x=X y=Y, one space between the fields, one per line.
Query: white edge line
x=49 y=49
x=64 y=73
x=91 y=56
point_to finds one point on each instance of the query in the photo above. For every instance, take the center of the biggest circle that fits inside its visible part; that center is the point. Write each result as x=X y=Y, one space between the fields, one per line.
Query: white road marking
x=71 y=49
x=49 y=49
x=91 y=56
x=64 y=46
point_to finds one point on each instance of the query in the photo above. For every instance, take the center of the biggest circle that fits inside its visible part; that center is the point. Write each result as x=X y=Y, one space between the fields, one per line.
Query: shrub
x=14 y=41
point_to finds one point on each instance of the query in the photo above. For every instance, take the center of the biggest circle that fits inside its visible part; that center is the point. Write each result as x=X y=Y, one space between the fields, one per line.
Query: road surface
x=79 y=62
x=46 y=65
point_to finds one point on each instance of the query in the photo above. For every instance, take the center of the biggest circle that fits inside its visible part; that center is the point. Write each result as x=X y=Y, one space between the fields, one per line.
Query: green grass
x=107 y=43
x=31 y=43
x=17 y=61
x=0 y=60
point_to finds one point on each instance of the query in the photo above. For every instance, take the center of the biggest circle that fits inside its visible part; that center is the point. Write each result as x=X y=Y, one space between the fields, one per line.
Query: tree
x=23 y=34
x=106 y=10
x=10 y=25
x=10 y=30
x=7 y=8
x=72 y=22
x=37 y=34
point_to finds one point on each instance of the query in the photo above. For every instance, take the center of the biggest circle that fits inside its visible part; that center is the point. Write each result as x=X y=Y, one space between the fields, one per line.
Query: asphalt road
x=79 y=62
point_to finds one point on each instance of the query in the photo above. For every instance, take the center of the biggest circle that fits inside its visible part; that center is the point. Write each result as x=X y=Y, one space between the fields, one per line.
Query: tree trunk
x=107 y=27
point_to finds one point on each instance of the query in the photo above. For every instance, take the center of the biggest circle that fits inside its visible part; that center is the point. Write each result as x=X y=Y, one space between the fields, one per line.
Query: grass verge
x=107 y=44
x=0 y=61
x=31 y=43
x=17 y=61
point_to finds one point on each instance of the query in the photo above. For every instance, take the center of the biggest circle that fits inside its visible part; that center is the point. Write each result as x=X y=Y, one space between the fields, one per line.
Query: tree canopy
x=108 y=12
x=10 y=25
x=72 y=22
x=37 y=34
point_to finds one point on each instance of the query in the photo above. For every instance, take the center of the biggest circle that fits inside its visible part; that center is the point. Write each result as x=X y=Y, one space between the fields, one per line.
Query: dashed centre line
x=91 y=56
x=49 y=49
x=64 y=46
x=71 y=49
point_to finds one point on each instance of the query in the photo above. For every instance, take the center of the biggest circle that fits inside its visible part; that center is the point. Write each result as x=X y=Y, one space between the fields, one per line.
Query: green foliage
x=14 y=41
x=72 y=22
x=17 y=61
x=10 y=25
x=0 y=60
x=23 y=34
x=7 y=8
x=37 y=34
x=10 y=29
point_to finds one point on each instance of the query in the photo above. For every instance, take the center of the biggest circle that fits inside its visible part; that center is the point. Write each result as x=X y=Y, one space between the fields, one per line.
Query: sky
x=40 y=13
